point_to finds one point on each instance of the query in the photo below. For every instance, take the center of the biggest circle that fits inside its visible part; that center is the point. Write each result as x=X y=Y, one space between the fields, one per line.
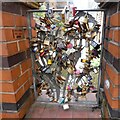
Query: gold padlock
x=83 y=60
x=49 y=61
x=70 y=69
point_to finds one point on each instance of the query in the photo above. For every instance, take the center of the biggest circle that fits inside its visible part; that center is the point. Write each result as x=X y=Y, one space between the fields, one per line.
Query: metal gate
x=73 y=76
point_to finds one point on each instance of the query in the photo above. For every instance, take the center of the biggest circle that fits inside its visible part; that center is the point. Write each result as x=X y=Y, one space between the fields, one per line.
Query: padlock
x=54 y=54
x=91 y=26
x=43 y=27
x=60 y=79
x=89 y=78
x=95 y=53
x=35 y=49
x=64 y=57
x=88 y=35
x=84 y=19
x=42 y=53
x=41 y=35
x=70 y=69
x=83 y=60
x=53 y=26
x=50 y=12
x=61 y=101
x=46 y=42
x=93 y=35
x=77 y=72
x=95 y=70
x=69 y=45
x=68 y=87
x=37 y=26
x=65 y=106
x=49 y=62
x=96 y=28
x=94 y=44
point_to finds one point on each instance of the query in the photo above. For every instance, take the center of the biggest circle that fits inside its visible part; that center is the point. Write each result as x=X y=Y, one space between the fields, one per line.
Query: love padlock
x=84 y=60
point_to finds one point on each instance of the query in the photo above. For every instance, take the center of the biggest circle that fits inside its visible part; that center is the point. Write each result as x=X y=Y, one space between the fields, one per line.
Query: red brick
x=6 y=35
x=114 y=76
x=24 y=21
x=113 y=103
x=8 y=98
x=114 y=91
x=25 y=107
x=19 y=94
x=0 y=18
x=9 y=49
x=6 y=87
x=23 y=45
x=32 y=22
x=12 y=87
x=19 y=82
x=31 y=80
x=21 y=113
x=5 y=75
x=29 y=62
x=114 y=50
x=24 y=78
x=30 y=72
x=26 y=64
x=18 y=34
x=117 y=36
x=15 y=72
x=110 y=35
x=26 y=34
x=10 y=115
x=8 y=19
x=12 y=48
x=11 y=74
x=114 y=19
x=34 y=33
x=26 y=86
x=20 y=21
x=4 y=50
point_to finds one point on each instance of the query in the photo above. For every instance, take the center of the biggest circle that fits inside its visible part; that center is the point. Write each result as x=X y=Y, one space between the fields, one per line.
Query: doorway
x=66 y=56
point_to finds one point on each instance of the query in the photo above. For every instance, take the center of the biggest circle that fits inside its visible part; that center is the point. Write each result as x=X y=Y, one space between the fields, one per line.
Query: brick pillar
x=15 y=64
x=111 y=61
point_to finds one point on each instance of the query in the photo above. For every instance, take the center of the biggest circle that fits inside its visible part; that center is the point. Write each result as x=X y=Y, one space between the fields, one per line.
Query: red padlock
x=74 y=10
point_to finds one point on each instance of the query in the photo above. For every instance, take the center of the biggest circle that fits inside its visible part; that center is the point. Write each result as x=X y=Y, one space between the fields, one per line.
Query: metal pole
x=91 y=10
x=32 y=55
x=37 y=10
x=60 y=10
x=29 y=25
x=100 y=70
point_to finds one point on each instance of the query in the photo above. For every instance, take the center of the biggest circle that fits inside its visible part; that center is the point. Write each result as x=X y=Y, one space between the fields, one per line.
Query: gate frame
x=30 y=12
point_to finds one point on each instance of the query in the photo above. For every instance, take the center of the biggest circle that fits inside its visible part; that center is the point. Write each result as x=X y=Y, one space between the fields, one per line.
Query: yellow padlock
x=49 y=61
x=41 y=51
x=63 y=28
x=83 y=60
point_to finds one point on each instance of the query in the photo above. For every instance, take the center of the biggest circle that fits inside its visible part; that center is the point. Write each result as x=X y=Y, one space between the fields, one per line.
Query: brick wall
x=15 y=61
x=111 y=60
